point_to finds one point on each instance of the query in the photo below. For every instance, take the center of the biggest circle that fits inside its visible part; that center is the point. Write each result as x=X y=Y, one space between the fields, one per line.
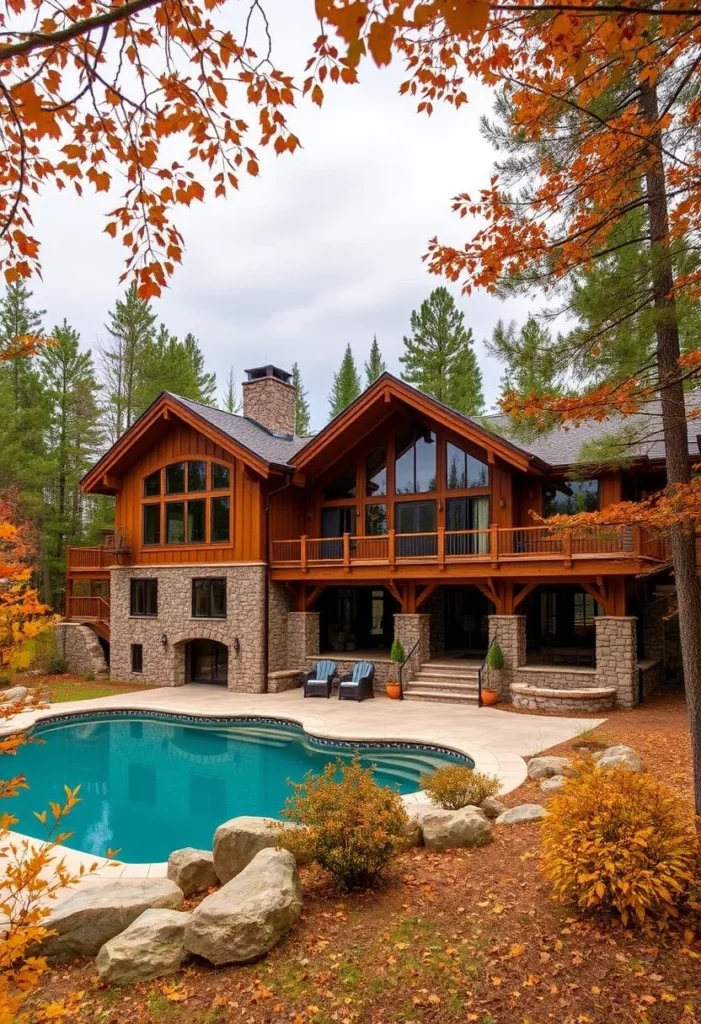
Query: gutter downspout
x=266 y=612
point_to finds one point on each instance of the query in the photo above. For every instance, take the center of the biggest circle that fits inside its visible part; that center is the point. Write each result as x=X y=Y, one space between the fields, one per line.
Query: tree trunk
x=686 y=577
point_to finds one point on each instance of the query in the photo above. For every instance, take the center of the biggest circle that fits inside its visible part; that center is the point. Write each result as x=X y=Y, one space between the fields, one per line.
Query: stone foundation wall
x=556 y=678
x=302 y=638
x=279 y=604
x=616 y=656
x=410 y=629
x=164 y=663
x=80 y=648
x=510 y=633
x=435 y=609
x=652 y=677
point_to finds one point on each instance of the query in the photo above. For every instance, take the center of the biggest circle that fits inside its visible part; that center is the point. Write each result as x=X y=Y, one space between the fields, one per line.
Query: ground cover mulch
x=469 y=936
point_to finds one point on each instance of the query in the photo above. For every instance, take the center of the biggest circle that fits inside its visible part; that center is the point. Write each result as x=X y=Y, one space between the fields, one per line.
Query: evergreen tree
x=232 y=402
x=167 y=364
x=302 y=416
x=439 y=358
x=528 y=355
x=18 y=318
x=375 y=365
x=346 y=384
x=132 y=326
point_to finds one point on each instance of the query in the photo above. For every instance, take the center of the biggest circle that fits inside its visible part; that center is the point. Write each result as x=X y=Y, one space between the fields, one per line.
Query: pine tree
x=439 y=358
x=529 y=357
x=17 y=318
x=167 y=364
x=132 y=325
x=346 y=384
x=232 y=402
x=375 y=365
x=302 y=415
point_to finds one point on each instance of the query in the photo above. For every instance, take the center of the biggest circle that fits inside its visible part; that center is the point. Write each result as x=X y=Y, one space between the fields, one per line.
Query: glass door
x=415 y=517
x=334 y=523
x=467 y=514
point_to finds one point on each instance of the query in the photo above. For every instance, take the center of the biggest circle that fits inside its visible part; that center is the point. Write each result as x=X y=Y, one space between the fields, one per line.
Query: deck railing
x=91 y=558
x=97 y=608
x=496 y=544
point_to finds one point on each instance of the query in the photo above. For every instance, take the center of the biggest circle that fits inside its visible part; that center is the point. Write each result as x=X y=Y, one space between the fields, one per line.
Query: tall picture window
x=464 y=471
x=188 y=515
x=415 y=460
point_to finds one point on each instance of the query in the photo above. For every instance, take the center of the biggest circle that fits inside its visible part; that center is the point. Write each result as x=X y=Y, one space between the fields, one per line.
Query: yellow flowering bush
x=618 y=841
x=456 y=785
x=351 y=826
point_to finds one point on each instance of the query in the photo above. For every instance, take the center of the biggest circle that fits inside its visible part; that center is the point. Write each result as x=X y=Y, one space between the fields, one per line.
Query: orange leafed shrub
x=351 y=826
x=618 y=841
x=455 y=785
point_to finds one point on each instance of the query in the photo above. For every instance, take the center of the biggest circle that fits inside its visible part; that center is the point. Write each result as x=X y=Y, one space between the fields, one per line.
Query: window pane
x=571 y=496
x=342 y=487
x=404 y=462
x=427 y=516
x=220 y=519
x=200 y=598
x=457 y=476
x=218 y=599
x=175 y=478
x=151 y=598
x=137 y=658
x=152 y=484
x=152 y=524
x=220 y=476
x=143 y=597
x=415 y=465
x=376 y=473
x=195 y=522
x=426 y=462
x=375 y=520
x=197 y=476
x=175 y=522
x=477 y=472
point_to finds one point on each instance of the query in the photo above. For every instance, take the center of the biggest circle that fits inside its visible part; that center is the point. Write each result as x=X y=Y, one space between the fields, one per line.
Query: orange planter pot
x=490 y=698
x=393 y=690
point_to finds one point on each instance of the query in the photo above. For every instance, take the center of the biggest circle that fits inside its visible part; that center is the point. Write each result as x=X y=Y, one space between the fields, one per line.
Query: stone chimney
x=269 y=398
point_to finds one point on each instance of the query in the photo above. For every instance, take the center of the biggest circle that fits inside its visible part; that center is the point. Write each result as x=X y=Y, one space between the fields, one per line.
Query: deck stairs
x=450 y=680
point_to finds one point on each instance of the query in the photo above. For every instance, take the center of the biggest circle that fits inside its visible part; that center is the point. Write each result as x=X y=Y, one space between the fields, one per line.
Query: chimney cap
x=259 y=372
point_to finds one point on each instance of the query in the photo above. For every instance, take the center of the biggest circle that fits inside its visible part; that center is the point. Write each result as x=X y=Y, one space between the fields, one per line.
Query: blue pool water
x=153 y=784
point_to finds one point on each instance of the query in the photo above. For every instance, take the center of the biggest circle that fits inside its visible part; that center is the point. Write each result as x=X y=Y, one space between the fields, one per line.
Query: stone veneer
x=164 y=663
x=81 y=649
x=590 y=701
x=616 y=656
x=510 y=633
x=271 y=402
x=410 y=629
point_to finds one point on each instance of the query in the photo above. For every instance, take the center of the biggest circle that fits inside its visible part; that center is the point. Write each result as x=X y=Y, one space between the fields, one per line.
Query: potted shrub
x=495 y=664
x=397 y=656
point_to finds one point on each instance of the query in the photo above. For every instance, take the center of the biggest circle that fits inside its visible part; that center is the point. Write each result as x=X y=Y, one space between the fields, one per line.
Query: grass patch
x=65 y=688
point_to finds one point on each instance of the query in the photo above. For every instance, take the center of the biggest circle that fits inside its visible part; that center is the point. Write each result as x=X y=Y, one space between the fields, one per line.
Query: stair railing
x=480 y=670
x=401 y=668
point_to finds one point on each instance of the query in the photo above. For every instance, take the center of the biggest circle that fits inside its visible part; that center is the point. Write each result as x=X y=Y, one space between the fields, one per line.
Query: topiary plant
x=351 y=826
x=495 y=657
x=618 y=841
x=457 y=785
x=396 y=653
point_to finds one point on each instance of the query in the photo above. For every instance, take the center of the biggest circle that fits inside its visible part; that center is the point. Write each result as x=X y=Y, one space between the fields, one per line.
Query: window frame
x=136 y=654
x=207 y=496
x=133 y=584
x=209 y=580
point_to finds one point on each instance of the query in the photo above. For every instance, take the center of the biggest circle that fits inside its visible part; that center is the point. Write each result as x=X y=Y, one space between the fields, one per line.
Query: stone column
x=509 y=631
x=302 y=638
x=616 y=657
x=410 y=629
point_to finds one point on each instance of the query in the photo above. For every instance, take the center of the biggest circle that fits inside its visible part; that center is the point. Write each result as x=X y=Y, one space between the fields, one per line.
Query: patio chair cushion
x=325 y=670
x=362 y=669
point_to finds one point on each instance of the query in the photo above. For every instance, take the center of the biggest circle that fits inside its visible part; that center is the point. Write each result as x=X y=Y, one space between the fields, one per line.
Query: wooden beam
x=311 y=598
x=111 y=482
x=599 y=597
x=425 y=594
x=523 y=593
x=394 y=591
x=491 y=593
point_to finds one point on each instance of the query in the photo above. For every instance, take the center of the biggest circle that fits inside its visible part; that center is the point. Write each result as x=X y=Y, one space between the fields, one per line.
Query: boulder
x=192 y=870
x=13 y=694
x=152 y=945
x=612 y=757
x=243 y=920
x=237 y=842
x=447 y=830
x=521 y=814
x=546 y=767
x=92 y=916
x=492 y=807
x=553 y=784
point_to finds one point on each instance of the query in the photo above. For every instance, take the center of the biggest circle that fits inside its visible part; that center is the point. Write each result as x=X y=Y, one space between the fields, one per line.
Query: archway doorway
x=206 y=661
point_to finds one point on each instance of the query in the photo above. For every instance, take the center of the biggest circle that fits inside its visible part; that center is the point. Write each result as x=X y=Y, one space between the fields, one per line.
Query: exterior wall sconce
x=164 y=638
x=237 y=645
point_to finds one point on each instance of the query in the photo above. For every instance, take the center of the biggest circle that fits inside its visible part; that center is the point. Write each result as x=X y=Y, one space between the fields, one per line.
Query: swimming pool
x=153 y=783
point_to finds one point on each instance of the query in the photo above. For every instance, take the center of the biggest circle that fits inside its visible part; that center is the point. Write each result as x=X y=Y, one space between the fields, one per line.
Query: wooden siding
x=246 y=543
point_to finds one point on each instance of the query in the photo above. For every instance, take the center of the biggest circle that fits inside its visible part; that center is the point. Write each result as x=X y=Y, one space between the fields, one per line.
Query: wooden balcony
x=115 y=550
x=535 y=549
x=92 y=610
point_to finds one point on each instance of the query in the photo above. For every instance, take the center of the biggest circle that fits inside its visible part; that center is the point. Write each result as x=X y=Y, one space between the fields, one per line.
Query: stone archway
x=178 y=644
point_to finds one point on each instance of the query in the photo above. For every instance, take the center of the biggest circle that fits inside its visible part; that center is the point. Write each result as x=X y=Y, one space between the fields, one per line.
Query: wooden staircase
x=450 y=680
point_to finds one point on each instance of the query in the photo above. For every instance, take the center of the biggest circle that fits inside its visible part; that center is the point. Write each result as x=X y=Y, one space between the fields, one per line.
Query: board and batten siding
x=180 y=443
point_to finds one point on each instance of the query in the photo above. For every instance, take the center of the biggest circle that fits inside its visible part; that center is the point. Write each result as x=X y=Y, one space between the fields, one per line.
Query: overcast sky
x=324 y=248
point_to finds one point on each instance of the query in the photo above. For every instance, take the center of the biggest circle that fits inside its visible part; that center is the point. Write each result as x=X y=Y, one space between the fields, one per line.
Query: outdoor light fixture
x=237 y=644
x=164 y=638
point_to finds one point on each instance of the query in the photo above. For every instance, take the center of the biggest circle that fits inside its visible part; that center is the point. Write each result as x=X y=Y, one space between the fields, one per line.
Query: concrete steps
x=450 y=682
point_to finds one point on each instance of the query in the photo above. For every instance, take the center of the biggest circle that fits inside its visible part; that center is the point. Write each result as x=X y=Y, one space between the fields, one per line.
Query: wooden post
x=441 y=547
x=567 y=548
x=392 y=548
x=494 y=543
x=346 y=551
x=637 y=540
x=303 y=552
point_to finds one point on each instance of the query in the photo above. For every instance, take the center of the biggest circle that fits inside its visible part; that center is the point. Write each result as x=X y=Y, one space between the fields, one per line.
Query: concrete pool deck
x=496 y=740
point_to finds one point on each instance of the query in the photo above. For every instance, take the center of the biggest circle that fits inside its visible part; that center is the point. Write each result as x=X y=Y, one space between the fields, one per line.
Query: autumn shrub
x=457 y=785
x=617 y=841
x=350 y=825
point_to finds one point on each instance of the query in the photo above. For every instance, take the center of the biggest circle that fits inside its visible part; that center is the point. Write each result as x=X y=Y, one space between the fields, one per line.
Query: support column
x=616 y=656
x=410 y=629
x=302 y=638
x=509 y=631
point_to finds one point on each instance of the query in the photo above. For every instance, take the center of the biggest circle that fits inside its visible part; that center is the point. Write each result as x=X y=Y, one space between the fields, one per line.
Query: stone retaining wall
x=563 y=701
x=410 y=629
x=81 y=649
x=557 y=678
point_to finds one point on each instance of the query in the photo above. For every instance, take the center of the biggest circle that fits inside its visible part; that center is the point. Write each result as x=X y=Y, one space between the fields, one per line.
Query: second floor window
x=464 y=470
x=415 y=460
x=192 y=512
x=568 y=497
x=143 y=597
x=209 y=598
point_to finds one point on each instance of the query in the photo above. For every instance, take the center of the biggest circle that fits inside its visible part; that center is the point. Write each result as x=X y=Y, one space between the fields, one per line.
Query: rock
x=546 y=767
x=492 y=807
x=447 y=830
x=553 y=784
x=90 y=917
x=612 y=757
x=13 y=694
x=522 y=813
x=414 y=835
x=237 y=842
x=243 y=920
x=152 y=945
x=192 y=870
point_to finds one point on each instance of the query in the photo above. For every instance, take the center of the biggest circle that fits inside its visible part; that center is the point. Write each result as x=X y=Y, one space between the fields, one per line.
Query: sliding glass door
x=415 y=517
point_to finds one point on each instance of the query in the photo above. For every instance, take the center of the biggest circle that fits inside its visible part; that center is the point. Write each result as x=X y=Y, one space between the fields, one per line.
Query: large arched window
x=187 y=502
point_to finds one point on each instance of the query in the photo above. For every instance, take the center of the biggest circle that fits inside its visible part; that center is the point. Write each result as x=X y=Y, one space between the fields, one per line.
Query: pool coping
x=511 y=769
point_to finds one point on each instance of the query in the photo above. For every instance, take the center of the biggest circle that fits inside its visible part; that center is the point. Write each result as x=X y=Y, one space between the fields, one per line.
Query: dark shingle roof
x=277 y=449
